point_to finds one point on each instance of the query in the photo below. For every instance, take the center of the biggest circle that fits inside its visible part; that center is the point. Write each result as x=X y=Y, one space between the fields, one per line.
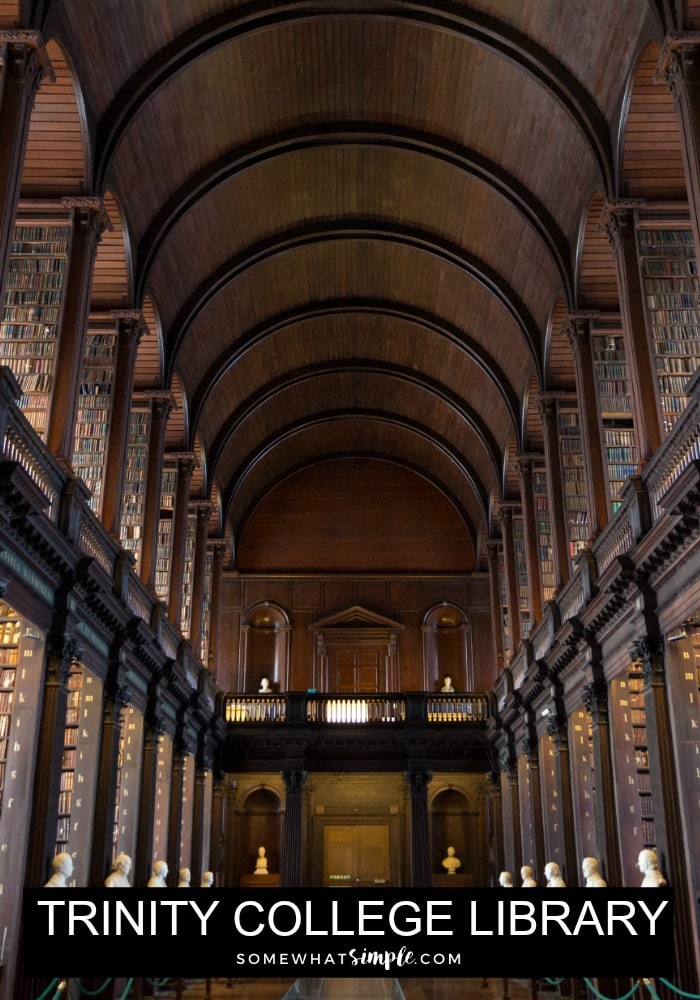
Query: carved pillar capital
x=418 y=781
x=576 y=327
x=649 y=654
x=294 y=780
x=62 y=655
x=678 y=61
x=595 y=698
x=130 y=325
x=617 y=219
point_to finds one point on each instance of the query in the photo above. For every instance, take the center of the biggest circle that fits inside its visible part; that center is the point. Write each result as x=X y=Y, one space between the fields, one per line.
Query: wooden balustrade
x=356 y=709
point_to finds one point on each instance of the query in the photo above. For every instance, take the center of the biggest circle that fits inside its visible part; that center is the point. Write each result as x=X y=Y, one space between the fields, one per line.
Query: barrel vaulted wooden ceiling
x=359 y=223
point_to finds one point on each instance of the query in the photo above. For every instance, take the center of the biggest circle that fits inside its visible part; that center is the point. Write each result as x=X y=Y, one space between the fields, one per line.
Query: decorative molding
x=33 y=40
x=649 y=654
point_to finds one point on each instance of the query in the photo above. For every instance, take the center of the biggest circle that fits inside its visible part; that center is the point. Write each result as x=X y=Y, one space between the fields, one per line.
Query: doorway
x=356 y=854
x=357 y=669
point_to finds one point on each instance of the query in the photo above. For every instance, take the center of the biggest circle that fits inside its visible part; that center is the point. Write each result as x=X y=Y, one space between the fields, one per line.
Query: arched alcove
x=261 y=821
x=447 y=648
x=453 y=824
x=265 y=637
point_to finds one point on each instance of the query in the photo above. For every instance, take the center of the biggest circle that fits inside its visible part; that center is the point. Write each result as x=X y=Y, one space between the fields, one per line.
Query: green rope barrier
x=94 y=993
x=602 y=996
x=647 y=983
x=679 y=991
x=555 y=982
x=52 y=986
x=158 y=982
x=127 y=989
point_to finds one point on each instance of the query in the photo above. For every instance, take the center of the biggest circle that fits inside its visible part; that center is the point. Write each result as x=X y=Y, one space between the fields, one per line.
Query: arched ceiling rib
x=479 y=28
x=438 y=149
x=350 y=333
x=351 y=222
x=362 y=385
x=320 y=234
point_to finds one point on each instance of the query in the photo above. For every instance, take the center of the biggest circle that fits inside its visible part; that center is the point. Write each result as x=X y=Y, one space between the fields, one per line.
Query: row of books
x=673 y=300
x=676 y=265
x=18 y=281
x=29 y=314
x=34 y=264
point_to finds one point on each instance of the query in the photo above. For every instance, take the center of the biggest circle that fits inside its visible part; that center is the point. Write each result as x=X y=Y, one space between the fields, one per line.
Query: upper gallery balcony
x=374 y=731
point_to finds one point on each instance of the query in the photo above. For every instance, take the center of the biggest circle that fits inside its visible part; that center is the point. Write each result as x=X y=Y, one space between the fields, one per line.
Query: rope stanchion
x=679 y=991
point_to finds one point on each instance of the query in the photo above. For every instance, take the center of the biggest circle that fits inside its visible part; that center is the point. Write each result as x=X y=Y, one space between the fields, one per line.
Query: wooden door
x=355 y=854
x=360 y=669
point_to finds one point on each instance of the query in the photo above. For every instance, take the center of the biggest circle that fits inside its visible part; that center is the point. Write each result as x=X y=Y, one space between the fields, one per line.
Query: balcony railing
x=356 y=709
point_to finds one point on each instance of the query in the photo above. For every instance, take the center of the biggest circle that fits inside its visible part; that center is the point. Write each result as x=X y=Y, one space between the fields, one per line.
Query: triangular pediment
x=356 y=617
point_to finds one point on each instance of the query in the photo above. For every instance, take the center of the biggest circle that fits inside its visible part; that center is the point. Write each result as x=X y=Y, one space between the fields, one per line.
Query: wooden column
x=185 y=468
x=218 y=552
x=217 y=831
x=577 y=327
x=595 y=698
x=130 y=327
x=618 y=223
x=116 y=696
x=679 y=67
x=517 y=833
x=649 y=653
x=512 y=599
x=524 y=465
x=203 y=765
x=161 y=406
x=180 y=751
x=493 y=790
x=26 y=64
x=492 y=547
x=560 y=552
x=61 y=652
x=203 y=509
x=154 y=727
x=230 y=852
x=531 y=748
x=557 y=729
x=89 y=222
x=418 y=781
x=291 y=867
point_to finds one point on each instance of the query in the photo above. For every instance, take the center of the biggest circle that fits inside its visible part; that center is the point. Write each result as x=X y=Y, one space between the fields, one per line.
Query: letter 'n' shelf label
x=538 y=933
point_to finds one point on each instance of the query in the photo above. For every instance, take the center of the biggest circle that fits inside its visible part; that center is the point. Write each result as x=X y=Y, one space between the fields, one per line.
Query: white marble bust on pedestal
x=261 y=862
x=591 y=873
x=505 y=880
x=158 y=876
x=648 y=864
x=119 y=876
x=526 y=875
x=61 y=871
x=553 y=876
x=451 y=863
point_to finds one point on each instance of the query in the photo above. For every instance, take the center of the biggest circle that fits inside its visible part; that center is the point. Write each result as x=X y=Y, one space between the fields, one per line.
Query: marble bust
x=184 y=877
x=591 y=873
x=158 y=876
x=451 y=863
x=265 y=686
x=526 y=876
x=207 y=880
x=261 y=862
x=119 y=876
x=447 y=686
x=505 y=880
x=61 y=871
x=553 y=876
x=648 y=864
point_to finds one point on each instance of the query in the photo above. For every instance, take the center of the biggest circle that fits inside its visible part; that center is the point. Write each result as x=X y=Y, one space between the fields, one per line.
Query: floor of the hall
x=361 y=989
